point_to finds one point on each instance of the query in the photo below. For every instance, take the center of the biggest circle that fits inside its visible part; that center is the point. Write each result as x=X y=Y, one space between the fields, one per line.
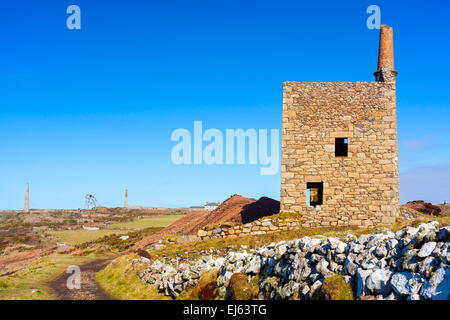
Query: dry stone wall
x=258 y=227
x=361 y=189
x=411 y=264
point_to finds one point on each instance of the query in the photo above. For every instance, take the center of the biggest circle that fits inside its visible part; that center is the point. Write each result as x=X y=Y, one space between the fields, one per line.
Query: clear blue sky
x=92 y=110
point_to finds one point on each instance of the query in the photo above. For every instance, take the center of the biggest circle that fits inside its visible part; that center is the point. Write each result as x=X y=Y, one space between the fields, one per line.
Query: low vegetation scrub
x=114 y=241
x=240 y=289
x=205 y=289
x=335 y=288
x=279 y=217
x=219 y=225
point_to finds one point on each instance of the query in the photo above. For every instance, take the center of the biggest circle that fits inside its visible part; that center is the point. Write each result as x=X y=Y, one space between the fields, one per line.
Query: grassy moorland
x=76 y=237
x=37 y=275
x=155 y=222
x=21 y=232
x=119 y=279
x=115 y=244
x=81 y=236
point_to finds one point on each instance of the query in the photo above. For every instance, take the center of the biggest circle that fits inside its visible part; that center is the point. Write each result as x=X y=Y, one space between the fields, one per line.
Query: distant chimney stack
x=386 y=71
x=126 y=198
x=26 y=208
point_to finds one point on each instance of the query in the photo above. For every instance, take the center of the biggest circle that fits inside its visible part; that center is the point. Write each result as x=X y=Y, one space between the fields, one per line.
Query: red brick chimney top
x=386 y=71
x=386 y=49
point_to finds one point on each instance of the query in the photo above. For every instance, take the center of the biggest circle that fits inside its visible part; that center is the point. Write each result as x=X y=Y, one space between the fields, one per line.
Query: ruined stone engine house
x=339 y=163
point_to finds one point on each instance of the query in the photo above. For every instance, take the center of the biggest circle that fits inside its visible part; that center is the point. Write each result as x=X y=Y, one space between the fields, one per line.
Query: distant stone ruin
x=26 y=207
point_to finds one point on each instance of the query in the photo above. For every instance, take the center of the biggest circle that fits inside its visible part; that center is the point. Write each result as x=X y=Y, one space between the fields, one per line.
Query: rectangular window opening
x=341 y=147
x=314 y=193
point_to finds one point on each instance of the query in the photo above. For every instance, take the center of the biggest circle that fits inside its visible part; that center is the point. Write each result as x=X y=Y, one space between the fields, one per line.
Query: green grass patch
x=120 y=281
x=155 y=222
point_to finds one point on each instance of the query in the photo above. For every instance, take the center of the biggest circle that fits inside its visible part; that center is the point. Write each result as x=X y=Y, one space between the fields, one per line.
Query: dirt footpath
x=89 y=290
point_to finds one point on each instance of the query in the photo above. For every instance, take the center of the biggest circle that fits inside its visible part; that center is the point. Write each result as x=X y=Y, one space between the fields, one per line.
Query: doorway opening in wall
x=341 y=147
x=314 y=193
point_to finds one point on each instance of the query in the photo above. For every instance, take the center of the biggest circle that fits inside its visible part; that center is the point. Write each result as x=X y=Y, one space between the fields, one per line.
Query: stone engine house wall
x=361 y=189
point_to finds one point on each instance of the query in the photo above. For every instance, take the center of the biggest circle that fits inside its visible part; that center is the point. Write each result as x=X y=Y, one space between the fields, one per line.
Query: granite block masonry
x=339 y=163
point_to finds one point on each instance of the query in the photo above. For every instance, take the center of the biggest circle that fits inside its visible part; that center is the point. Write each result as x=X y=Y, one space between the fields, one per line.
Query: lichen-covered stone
x=379 y=281
x=406 y=283
x=437 y=288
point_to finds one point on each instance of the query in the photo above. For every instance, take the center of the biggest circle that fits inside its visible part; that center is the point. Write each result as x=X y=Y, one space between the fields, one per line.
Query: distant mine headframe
x=91 y=202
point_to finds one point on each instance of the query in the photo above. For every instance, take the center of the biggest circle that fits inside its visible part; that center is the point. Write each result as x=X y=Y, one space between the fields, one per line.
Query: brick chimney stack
x=126 y=198
x=386 y=71
x=26 y=207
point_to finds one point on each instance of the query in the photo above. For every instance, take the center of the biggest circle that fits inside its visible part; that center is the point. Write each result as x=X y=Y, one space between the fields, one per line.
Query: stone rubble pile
x=412 y=264
x=176 y=274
